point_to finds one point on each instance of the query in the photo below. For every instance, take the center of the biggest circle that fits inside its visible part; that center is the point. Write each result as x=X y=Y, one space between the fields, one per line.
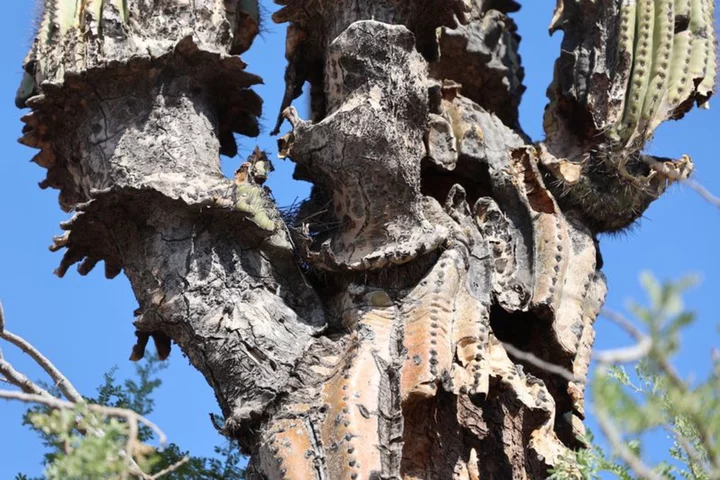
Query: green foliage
x=655 y=398
x=83 y=456
x=589 y=463
x=227 y=464
x=86 y=445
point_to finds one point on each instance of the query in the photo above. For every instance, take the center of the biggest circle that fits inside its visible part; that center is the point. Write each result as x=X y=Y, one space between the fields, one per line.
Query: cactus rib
x=640 y=76
x=64 y=18
x=707 y=85
x=663 y=43
x=46 y=29
x=624 y=61
x=679 y=85
x=699 y=44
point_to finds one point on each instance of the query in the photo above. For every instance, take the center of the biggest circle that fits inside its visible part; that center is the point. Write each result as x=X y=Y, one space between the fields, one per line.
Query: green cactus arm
x=680 y=84
x=697 y=15
x=659 y=77
x=682 y=8
x=642 y=62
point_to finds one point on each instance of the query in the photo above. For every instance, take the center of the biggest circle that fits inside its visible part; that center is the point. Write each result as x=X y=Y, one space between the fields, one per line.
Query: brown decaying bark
x=365 y=341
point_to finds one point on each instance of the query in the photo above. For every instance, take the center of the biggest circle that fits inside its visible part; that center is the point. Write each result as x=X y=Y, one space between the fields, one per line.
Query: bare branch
x=628 y=354
x=60 y=380
x=16 y=378
x=641 y=350
x=540 y=363
x=59 y=404
x=695 y=458
x=171 y=468
x=616 y=443
x=132 y=438
x=137 y=471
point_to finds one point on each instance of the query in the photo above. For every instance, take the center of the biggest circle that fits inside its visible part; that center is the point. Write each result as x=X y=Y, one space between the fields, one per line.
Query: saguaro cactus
x=372 y=337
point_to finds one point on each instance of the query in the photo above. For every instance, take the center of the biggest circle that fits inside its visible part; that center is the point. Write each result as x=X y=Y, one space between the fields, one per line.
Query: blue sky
x=84 y=323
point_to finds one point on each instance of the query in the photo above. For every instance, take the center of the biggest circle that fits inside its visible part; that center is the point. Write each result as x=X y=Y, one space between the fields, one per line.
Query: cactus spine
x=640 y=76
x=671 y=44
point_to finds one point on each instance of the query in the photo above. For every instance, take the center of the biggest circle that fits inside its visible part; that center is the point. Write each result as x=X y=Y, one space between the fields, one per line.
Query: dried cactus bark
x=368 y=340
x=130 y=114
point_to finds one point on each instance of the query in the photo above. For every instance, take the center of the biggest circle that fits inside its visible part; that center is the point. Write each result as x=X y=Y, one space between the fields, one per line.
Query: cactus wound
x=91 y=14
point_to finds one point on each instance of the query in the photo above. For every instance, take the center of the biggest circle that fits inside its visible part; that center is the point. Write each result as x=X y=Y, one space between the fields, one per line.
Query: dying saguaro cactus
x=374 y=338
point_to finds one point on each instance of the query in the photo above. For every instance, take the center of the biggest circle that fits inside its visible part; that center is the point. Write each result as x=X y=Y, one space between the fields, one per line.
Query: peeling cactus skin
x=512 y=254
x=149 y=97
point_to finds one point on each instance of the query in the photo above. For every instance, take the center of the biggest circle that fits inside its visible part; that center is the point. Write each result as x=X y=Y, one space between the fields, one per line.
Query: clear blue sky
x=84 y=323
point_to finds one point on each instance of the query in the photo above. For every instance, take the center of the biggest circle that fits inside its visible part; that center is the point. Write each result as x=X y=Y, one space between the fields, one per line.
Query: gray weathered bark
x=365 y=339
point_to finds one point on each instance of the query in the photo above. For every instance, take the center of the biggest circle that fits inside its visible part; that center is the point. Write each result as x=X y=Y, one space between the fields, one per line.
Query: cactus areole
x=364 y=336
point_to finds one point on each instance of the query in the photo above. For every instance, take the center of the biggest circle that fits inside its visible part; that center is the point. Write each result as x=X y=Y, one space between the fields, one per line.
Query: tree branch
x=628 y=354
x=632 y=460
x=59 y=404
x=171 y=468
x=16 y=378
x=61 y=380
x=540 y=363
x=695 y=459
